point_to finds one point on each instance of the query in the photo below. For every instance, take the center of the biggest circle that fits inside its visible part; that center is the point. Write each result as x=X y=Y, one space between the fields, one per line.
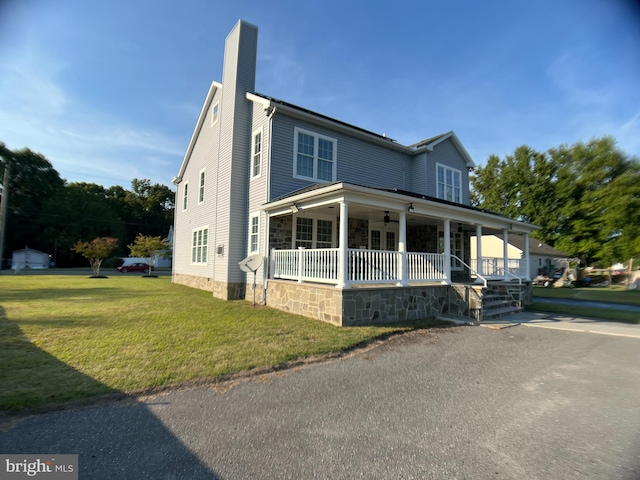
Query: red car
x=135 y=267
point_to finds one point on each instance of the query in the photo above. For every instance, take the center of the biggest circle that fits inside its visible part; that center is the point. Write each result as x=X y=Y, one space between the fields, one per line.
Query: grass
x=65 y=338
x=612 y=294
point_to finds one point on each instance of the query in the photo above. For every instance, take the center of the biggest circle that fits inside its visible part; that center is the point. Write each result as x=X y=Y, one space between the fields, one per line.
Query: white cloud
x=78 y=139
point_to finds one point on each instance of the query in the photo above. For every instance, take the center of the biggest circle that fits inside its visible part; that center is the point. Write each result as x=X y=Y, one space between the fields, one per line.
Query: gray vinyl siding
x=445 y=153
x=418 y=178
x=204 y=155
x=258 y=186
x=358 y=161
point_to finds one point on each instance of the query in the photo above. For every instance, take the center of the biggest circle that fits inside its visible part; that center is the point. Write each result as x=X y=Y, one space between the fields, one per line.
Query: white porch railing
x=494 y=267
x=365 y=266
x=373 y=266
x=306 y=265
x=425 y=267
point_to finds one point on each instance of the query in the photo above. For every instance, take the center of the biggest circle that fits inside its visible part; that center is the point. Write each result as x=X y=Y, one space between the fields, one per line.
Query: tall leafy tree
x=585 y=197
x=32 y=182
x=76 y=213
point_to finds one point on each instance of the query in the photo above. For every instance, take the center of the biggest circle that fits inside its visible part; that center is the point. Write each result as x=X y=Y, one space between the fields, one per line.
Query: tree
x=33 y=182
x=586 y=197
x=96 y=251
x=148 y=247
x=77 y=211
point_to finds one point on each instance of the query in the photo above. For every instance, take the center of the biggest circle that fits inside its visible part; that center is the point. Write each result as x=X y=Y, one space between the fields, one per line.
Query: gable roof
x=215 y=86
x=273 y=104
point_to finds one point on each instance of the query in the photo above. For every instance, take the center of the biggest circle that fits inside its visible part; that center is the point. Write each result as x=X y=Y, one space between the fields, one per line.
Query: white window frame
x=200 y=257
x=202 y=179
x=314 y=229
x=185 y=196
x=254 y=234
x=316 y=136
x=258 y=131
x=215 y=113
x=454 y=171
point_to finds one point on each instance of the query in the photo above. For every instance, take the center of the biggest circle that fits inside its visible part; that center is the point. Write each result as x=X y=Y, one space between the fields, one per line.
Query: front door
x=383 y=237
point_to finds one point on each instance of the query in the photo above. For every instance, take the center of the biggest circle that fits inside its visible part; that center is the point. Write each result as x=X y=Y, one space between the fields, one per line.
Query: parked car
x=135 y=267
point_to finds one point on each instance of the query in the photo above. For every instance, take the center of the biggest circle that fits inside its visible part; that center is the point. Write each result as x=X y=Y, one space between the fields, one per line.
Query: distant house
x=543 y=258
x=352 y=226
x=30 y=258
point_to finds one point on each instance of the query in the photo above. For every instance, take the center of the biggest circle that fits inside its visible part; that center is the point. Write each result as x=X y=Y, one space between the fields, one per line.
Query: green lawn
x=613 y=294
x=64 y=338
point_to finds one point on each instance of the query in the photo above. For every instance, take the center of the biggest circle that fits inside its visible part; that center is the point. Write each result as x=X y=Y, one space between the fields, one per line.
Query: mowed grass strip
x=611 y=294
x=65 y=338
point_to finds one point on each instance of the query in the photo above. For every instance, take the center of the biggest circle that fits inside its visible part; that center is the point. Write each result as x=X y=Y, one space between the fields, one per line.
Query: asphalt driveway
x=464 y=402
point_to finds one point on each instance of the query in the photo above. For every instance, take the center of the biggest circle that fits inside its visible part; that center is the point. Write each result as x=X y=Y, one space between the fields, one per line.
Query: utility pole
x=4 y=202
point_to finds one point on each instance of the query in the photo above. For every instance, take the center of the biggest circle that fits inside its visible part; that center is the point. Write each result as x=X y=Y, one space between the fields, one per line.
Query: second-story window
x=449 y=184
x=185 y=195
x=215 y=114
x=314 y=156
x=256 y=154
x=201 y=190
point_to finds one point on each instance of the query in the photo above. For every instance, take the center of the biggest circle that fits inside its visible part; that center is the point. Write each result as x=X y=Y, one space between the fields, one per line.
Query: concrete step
x=500 y=312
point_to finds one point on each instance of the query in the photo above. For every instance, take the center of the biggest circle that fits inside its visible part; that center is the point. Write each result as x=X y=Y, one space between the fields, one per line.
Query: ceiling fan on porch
x=387 y=218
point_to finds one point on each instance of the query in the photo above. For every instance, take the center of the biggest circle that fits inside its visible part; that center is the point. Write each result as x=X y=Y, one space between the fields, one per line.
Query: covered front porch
x=350 y=237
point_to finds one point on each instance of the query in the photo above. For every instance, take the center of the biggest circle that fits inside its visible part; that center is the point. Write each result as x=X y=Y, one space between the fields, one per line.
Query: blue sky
x=111 y=91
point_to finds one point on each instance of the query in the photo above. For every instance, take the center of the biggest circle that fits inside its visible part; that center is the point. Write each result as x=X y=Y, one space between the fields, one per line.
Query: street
x=460 y=402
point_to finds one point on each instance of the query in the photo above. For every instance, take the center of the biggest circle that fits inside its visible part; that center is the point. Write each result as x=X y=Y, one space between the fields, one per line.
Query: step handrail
x=471 y=270
x=519 y=285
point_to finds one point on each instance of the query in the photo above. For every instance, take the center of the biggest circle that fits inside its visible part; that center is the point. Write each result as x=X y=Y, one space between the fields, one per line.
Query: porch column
x=527 y=272
x=505 y=251
x=343 y=262
x=447 y=251
x=479 y=251
x=403 y=277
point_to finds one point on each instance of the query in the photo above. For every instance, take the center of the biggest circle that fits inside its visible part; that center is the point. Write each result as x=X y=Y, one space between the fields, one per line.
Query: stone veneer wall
x=422 y=239
x=280 y=233
x=363 y=306
x=222 y=290
x=358 y=233
x=321 y=302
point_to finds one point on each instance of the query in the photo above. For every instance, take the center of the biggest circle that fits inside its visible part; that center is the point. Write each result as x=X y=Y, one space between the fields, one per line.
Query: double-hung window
x=185 y=197
x=313 y=232
x=199 y=245
x=449 y=184
x=314 y=156
x=254 y=233
x=201 y=189
x=256 y=153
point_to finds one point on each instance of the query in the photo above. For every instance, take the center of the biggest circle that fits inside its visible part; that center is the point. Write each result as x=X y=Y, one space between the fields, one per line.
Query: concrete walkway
x=566 y=322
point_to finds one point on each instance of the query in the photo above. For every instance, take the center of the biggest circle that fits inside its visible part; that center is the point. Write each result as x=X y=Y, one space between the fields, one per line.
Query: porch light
x=411 y=209
x=387 y=218
x=459 y=228
x=294 y=208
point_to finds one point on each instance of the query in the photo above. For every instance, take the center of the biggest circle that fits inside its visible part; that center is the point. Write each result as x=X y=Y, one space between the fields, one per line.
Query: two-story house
x=353 y=227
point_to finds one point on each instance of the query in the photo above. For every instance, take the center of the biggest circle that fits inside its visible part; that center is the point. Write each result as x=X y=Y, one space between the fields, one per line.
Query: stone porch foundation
x=367 y=306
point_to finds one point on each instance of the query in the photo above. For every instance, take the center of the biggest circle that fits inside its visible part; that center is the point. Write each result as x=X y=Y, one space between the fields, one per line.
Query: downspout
x=266 y=265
